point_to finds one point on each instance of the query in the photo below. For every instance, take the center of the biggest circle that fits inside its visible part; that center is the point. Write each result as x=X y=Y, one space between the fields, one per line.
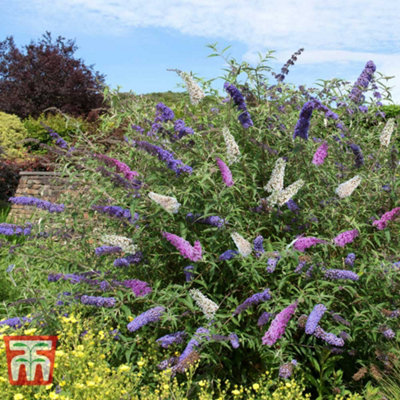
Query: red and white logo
x=30 y=359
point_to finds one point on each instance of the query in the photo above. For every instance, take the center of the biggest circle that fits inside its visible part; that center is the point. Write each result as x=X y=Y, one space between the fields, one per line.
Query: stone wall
x=43 y=185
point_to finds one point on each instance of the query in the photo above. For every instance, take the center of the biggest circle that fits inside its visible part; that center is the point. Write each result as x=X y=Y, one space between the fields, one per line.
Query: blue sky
x=133 y=42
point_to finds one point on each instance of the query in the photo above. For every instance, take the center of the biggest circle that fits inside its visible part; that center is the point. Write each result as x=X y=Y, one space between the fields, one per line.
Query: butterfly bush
x=193 y=253
x=302 y=244
x=212 y=220
x=303 y=123
x=356 y=94
x=275 y=182
x=320 y=154
x=98 y=301
x=196 y=94
x=278 y=325
x=314 y=318
x=253 y=300
x=42 y=204
x=225 y=172
x=119 y=166
x=341 y=274
x=347 y=188
x=238 y=99
x=122 y=242
x=242 y=244
x=346 y=237
x=387 y=132
x=232 y=148
x=168 y=203
x=152 y=315
x=388 y=216
x=208 y=307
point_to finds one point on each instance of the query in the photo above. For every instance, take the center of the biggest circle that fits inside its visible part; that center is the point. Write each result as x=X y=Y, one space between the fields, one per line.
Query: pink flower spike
x=193 y=253
x=119 y=165
x=225 y=172
x=388 y=216
x=278 y=325
x=302 y=244
x=345 y=237
x=320 y=154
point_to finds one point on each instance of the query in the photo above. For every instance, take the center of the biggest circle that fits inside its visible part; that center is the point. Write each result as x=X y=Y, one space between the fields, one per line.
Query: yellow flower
x=202 y=383
x=91 y=364
x=256 y=386
x=288 y=385
x=140 y=363
x=53 y=396
x=166 y=387
x=124 y=368
x=90 y=383
x=30 y=331
x=62 y=383
x=18 y=396
x=130 y=318
x=235 y=392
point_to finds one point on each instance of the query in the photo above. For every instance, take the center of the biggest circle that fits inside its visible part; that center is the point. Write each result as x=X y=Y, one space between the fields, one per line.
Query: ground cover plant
x=255 y=231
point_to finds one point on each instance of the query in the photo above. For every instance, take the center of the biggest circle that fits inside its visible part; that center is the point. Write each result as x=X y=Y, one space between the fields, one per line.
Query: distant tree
x=46 y=74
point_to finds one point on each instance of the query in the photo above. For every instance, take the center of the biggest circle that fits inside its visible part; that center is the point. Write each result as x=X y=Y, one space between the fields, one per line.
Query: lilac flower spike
x=129 y=260
x=238 y=99
x=320 y=154
x=99 y=251
x=194 y=342
x=388 y=216
x=167 y=340
x=11 y=229
x=345 y=237
x=329 y=338
x=33 y=201
x=152 y=315
x=302 y=244
x=98 y=301
x=228 y=255
x=278 y=325
x=15 y=322
x=212 y=220
x=193 y=253
x=138 y=287
x=118 y=212
x=163 y=113
x=303 y=123
x=349 y=260
x=314 y=318
x=264 y=318
x=252 y=300
x=120 y=166
x=233 y=338
x=225 y=172
x=341 y=274
x=362 y=83
x=258 y=245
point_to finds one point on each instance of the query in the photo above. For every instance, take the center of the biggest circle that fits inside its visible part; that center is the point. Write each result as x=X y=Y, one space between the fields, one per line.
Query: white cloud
x=334 y=31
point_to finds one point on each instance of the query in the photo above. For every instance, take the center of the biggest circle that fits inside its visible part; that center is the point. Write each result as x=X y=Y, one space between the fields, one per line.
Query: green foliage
x=391 y=111
x=64 y=125
x=12 y=133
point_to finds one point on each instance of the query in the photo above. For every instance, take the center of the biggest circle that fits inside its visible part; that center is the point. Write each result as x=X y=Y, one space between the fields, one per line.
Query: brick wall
x=43 y=185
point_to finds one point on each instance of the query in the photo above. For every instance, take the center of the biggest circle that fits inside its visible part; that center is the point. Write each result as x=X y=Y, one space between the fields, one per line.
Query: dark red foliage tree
x=46 y=74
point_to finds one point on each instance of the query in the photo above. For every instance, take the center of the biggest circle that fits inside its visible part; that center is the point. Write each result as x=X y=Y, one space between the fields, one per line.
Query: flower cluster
x=59 y=140
x=275 y=182
x=232 y=148
x=212 y=220
x=347 y=188
x=152 y=315
x=196 y=94
x=188 y=271
x=388 y=216
x=264 y=318
x=42 y=204
x=345 y=237
x=314 y=318
x=302 y=244
x=252 y=300
x=225 y=172
x=119 y=166
x=341 y=274
x=258 y=245
x=228 y=255
x=286 y=370
x=320 y=154
x=15 y=322
x=303 y=123
x=129 y=260
x=208 y=307
x=272 y=262
x=387 y=132
x=123 y=242
x=359 y=158
x=99 y=251
x=362 y=83
x=138 y=287
x=167 y=340
x=181 y=129
x=278 y=325
x=349 y=260
x=117 y=212
x=163 y=113
x=242 y=244
x=164 y=155
x=168 y=203
x=238 y=99
x=12 y=229
x=193 y=253
x=98 y=301
x=328 y=337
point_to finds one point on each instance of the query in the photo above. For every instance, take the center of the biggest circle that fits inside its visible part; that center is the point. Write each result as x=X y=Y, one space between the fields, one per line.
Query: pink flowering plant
x=121 y=259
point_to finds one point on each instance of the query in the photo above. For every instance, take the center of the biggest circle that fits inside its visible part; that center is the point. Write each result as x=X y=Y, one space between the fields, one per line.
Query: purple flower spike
x=212 y=220
x=278 y=325
x=345 y=237
x=188 y=273
x=388 y=216
x=138 y=287
x=228 y=255
x=99 y=251
x=359 y=158
x=167 y=340
x=356 y=94
x=258 y=245
x=15 y=322
x=329 y=338
x=33 y=201
x=117 y=212
x=163 y=113
x=264 y=318
x=198 y=337
x=152 y=315
x=233 y=338
x=272 y=262
x=286 y=370
x=238 y=99
x=252 y=300
x=193 y=253
x=314 y=318
x=128 y=260
x=303 y=123
x=11 y=229
x=225 y=172
x=349 y=260
x=320 y=154
x=341 y=274
x=302 y=244
x=98 y=301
